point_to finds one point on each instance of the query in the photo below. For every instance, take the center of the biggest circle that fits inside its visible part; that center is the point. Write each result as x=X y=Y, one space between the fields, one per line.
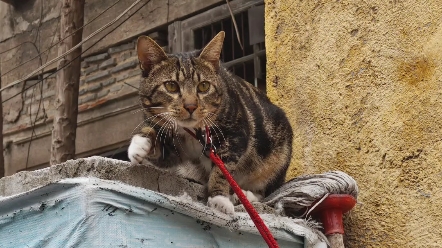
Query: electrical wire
x=80 y=54
x=73 y=48
x=78 y=29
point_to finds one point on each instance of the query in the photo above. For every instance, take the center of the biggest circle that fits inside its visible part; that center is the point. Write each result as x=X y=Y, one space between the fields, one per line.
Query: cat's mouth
x=189 y=122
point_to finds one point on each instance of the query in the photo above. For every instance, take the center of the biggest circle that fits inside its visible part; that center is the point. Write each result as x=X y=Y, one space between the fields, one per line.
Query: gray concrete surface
x=143 y=176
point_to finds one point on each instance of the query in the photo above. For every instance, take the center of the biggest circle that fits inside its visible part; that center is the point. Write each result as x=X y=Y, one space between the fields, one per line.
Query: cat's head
x=186 y=87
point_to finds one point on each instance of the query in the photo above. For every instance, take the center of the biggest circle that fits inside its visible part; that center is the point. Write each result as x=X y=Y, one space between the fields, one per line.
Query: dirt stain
x=416 y=71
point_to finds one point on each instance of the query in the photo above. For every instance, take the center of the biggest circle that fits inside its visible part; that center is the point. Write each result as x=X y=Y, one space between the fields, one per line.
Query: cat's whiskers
x=162 y=118
x=171 y=130
x=179 y=141
x=216 y=133
x=142 y=108
x=203 y=129
x=167 y=127
x=209 y=119
x=136 y=111
x=144 y=121
x=161 y=129
x=162 y=133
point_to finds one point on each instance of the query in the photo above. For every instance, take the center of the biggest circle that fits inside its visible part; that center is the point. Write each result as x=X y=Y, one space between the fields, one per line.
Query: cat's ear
x=212 y=51
x=149 y=53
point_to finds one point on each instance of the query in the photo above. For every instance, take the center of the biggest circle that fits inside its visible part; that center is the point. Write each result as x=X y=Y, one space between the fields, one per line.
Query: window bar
x=223 y=50
x=242 y=34
x=244 y=71
x=256 y=64
x=245 y=58
x=233 y=39
x=232 y=31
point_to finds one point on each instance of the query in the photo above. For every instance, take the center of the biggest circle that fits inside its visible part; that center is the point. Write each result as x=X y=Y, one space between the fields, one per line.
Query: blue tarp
x=90 y=212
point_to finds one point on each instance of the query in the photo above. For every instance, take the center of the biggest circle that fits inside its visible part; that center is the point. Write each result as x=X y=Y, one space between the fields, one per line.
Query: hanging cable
x=81 y=53
x=72 y=49
x=51 y=46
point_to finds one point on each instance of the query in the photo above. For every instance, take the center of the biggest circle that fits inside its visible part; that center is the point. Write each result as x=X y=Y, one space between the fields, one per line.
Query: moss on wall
x=362 y=84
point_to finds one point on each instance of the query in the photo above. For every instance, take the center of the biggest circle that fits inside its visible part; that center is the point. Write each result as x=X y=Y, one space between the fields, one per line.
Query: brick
x=50 y=111
x=34 y=109
x=48 y=93
x=29 y=92
x=49 y=75
x=93 y=87
x=89 y=70
x=84 y=64
x=24 y=112
x=126 y=65
x=38 y=95
x=127 y=55
x=108 y=82
x=47 y=104
x=115 y=88
x=130 y=86
x=96 y=58
x=102 y=93
x=48 y=83
x=31 y=82
x=120 y=48
x=108 y=63
x=82 y=91
x=29 y=100
x=129 y=74
x=86 y=98
x=96 y=76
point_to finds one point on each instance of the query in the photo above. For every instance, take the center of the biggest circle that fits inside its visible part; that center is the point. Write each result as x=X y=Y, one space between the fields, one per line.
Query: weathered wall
x=105 y=100
x=362 y=84
x=107 y=97
x=36 y=21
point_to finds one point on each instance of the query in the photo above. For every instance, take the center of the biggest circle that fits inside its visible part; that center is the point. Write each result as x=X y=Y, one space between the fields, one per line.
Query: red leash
x=259 y=223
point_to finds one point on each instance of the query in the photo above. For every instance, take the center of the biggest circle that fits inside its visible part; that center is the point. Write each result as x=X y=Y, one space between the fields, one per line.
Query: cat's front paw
x=221 y=203
x=138 y=149
x=249 y=195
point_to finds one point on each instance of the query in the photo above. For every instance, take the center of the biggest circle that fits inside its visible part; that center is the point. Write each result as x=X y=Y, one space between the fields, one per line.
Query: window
x=248 y=63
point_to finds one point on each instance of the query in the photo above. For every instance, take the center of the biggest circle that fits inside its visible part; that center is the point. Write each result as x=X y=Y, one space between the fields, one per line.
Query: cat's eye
x=171 y=86
x=203 y=87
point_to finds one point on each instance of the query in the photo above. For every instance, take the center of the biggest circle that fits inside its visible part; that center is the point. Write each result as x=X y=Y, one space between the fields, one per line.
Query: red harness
x=259 y=223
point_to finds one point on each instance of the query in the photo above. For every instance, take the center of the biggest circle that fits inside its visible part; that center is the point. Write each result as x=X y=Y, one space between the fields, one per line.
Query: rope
x=262 y=228
x=259 y=223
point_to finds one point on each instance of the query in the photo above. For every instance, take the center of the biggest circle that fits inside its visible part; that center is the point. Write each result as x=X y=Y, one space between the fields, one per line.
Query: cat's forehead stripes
x=185 y=68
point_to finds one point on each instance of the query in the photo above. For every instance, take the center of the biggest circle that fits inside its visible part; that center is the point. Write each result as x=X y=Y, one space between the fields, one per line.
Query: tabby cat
x=193 y=91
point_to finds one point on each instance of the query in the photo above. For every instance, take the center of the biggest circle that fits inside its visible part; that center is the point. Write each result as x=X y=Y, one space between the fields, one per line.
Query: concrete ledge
x=143 y=176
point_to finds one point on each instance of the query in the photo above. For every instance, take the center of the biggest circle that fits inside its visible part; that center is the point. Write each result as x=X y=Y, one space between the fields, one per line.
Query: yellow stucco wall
x=362 y=84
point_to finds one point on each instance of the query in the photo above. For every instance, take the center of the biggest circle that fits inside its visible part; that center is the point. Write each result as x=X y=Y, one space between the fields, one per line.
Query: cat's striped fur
x=253 y=136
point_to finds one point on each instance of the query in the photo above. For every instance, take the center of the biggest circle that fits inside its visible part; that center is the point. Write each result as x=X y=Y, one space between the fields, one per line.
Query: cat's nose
x=190 y=107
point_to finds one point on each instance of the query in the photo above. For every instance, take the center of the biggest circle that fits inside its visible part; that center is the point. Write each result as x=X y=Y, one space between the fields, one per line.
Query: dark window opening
x=248 y=63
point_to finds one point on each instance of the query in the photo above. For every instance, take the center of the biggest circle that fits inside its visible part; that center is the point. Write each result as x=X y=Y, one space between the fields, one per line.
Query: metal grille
x=248 y=63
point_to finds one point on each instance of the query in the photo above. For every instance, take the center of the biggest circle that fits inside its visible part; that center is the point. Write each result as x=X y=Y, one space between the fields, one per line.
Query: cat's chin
x=188 y=123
